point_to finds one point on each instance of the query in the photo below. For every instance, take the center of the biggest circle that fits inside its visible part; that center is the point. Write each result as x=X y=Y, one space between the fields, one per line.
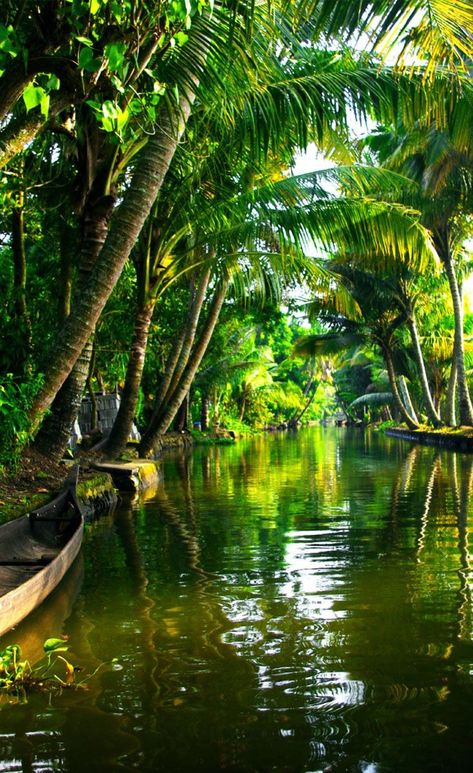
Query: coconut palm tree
x=206 y=55
x=440 y=161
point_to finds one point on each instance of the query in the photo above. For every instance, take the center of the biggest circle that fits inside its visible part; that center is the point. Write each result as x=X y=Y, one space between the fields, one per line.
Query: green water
x=293 y=603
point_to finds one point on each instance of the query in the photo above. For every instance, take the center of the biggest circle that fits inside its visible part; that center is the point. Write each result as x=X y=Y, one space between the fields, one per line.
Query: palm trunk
x=162 y=425
x=53 y=437
x=406 y=398
x=150 y=171
x=429 y=403
x=204 y=412
x=123 y=423
x=190 y=332
x=464 y=400
x=19 y=280
x=450 y=412
x=182 y=415
x=298 y=416
x=241 y=415
x=410 y=421
x=179 y=355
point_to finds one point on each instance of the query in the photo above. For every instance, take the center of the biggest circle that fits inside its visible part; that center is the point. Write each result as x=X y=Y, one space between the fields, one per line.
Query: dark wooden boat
x=36 y=551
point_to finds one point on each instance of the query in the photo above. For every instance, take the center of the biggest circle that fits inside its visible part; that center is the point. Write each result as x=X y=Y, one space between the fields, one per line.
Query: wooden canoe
x=36 y=551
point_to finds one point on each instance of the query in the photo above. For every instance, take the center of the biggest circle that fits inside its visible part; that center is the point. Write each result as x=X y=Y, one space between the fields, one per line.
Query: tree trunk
x=190 y=331
x=241 y=415
x=204 y=412
x=429 y=403
x=162 y=425
x=19 y=284
x=54 y=434
x=182 y=415
x=464 y=399
x=123 y=423
x=406 y=398
x=20 y=130
x=410 y=421
x=450 y=412
x=293 y=422
x=179 y=356
x=138 y=200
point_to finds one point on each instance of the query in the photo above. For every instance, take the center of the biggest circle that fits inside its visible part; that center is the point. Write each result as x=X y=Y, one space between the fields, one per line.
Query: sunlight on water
x=292 y=603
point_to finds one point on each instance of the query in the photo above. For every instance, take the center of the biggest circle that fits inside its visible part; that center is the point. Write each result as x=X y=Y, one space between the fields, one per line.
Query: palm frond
x=374 y=399
x=326 y=344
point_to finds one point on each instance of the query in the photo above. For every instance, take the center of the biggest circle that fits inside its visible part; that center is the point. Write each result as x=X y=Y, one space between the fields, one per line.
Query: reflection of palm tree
x=126 y=531
x=427 y=503
x=461 y=500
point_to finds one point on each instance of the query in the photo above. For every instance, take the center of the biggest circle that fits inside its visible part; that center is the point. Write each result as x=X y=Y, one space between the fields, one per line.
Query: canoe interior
x=33 y=541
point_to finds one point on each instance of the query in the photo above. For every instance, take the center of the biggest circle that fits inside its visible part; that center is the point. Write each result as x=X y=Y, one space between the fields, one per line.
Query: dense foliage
x=152 y=231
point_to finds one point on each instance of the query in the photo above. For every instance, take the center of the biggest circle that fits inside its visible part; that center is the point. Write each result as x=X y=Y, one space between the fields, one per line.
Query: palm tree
x=207 y=55
x=440 y=161
x=374 y=320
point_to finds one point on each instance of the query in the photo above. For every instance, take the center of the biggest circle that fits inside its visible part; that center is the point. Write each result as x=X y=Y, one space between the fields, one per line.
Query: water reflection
x=296 y=602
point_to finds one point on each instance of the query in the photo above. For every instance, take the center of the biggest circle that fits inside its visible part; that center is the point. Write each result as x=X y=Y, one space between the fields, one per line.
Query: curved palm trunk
x=190 y=331
x=406 y=397
x=298 y=416
x=150 y=171
x=464 y=400
x=432 y=413
x=450 y=412
x=410 y=421
x=53 y=437
x=179 y=355
x=123 y=423
x=161 y=425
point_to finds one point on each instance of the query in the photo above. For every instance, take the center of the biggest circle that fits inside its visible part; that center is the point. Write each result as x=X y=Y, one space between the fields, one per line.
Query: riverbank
x=455 y=439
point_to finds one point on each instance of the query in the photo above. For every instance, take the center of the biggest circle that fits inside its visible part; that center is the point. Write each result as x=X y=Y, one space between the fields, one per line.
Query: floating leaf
x=55 y=645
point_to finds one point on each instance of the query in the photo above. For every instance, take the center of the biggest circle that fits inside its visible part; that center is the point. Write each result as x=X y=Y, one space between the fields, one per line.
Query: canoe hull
x=20 y=601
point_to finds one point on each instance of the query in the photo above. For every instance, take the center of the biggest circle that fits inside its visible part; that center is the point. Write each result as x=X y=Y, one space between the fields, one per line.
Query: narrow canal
x=292 y=603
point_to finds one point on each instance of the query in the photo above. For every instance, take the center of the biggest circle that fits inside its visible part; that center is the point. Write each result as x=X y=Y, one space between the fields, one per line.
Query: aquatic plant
x=52 y=673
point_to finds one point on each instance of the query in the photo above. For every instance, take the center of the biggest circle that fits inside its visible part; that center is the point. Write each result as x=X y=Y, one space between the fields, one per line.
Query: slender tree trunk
x=406 y=397
x=123 y=423
x=179 y=356
x=204 y=412
x=241 y=415
x=410 y=421
x=150 y=171
x=182 y=415
x=190 y=331
x=19 y=284
x=162 y=425
x=66 y=275
x=429 y=403
x=296 y=419
x=464 y=399
x=450 y=412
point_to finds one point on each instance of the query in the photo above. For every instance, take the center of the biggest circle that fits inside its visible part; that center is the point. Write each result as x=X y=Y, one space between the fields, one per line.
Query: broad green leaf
x=109 y=109
x=55 y=645
x=115 y=53
x=45 y=105
x=87 y=61
x=33 y=96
